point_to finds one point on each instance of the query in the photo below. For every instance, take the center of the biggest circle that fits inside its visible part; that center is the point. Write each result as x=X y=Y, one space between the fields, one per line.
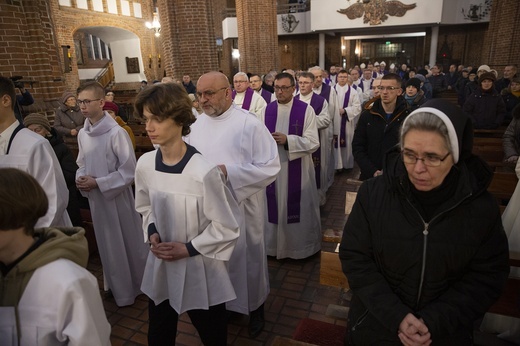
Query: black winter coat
x=486 y=110
x=447 y=272
x=374 y=136
x=68 y=167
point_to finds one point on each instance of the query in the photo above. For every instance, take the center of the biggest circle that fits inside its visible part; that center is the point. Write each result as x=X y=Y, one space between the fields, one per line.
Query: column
x=321 y=51
x=433 y=45
x=257 y=35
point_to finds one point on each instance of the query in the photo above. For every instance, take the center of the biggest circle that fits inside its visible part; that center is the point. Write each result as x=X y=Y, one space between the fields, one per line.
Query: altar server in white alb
x=106 y=162
x=293 y=213
x=245 y=97
x=245 y=151
x=47 y=297
x=23 y=149
x=349 y=110
x=189 y=221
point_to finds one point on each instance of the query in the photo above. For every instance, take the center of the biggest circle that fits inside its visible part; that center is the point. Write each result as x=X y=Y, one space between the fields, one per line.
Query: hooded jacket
x=67 y=118
x=447 y=271
x=50 y=297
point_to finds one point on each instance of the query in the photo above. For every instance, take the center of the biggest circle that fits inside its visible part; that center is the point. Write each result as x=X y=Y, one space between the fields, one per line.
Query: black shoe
x=108 y=294
x=256 y=322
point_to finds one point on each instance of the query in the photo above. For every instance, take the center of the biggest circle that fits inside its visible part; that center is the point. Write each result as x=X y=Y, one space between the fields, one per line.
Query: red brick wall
x=501 y=45
x=29 y=49
x=31 y=37
x=188 y=37
x=257 y=35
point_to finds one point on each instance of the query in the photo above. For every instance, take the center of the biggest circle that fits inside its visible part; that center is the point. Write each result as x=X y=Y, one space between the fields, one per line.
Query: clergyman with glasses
x=243 y=148
x=424 y=249
x=378 y=128
x=245 y=97
x=293 y=227
x=106 y=162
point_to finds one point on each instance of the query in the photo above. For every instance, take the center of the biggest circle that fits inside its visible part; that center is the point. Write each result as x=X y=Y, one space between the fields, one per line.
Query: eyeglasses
x=209 y=93
x=86 y=102
x=239 y=81
x=283 y=88
x=429 y=160
x=388 y=88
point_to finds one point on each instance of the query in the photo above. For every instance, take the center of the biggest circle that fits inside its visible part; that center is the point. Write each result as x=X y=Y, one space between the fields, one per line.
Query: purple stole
x=344 y=119
x=266 y=95
x=317 y=104
x=247 y=98
x=294 y=181
x=325 y=91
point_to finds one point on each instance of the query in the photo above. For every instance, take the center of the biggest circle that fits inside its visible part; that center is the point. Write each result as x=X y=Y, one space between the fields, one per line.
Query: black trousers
x=210 y=324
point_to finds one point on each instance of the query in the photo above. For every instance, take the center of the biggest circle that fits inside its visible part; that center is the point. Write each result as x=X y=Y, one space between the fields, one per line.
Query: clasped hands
x=413 y=332
x=279 y=138
x=86 y=183
x=167 y=251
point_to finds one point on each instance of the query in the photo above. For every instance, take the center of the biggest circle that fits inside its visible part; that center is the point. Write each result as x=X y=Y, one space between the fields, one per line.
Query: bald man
x=241 y=145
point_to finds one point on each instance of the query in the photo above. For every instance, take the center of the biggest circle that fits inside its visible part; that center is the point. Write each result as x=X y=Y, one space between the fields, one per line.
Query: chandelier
x=155 y=25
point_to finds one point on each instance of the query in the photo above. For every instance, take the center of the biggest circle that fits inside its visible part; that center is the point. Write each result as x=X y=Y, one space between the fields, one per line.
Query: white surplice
x=352 y=111
x=33 y=154
x=106 y=153
x=323 y=122
x=193 y=206
x=257 y=102
x=303 y=239
x=243 y=144
x=333 y=129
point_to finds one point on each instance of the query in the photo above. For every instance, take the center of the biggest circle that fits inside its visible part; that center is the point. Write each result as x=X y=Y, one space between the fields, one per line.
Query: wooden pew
x=331 y=273
x=497 y=133
x=509 y=302
x=502 y=186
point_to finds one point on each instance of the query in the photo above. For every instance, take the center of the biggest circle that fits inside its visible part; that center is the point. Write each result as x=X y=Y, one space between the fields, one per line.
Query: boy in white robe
x=47 y=297
x=106 y=162
x=188 y=218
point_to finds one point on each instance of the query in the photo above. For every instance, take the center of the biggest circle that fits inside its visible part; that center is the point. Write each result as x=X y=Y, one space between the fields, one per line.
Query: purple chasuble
x=247 y=98
x=294 y=181
x=317 y=102
x=325 y=91
x=344 y=119
x=266 y=95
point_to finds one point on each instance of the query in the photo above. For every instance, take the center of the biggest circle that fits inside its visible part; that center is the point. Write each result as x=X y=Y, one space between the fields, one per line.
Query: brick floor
x=295 y=293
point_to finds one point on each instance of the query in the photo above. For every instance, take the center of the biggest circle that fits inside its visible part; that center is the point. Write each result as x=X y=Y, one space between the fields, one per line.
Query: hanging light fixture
x=155 y=25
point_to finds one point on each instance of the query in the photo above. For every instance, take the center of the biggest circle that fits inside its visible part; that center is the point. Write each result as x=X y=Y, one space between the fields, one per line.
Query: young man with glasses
x=241 y=145
x=245 y=97
x=106 y=171
x=23 y=149
x=293 y=226
x=378 y=128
